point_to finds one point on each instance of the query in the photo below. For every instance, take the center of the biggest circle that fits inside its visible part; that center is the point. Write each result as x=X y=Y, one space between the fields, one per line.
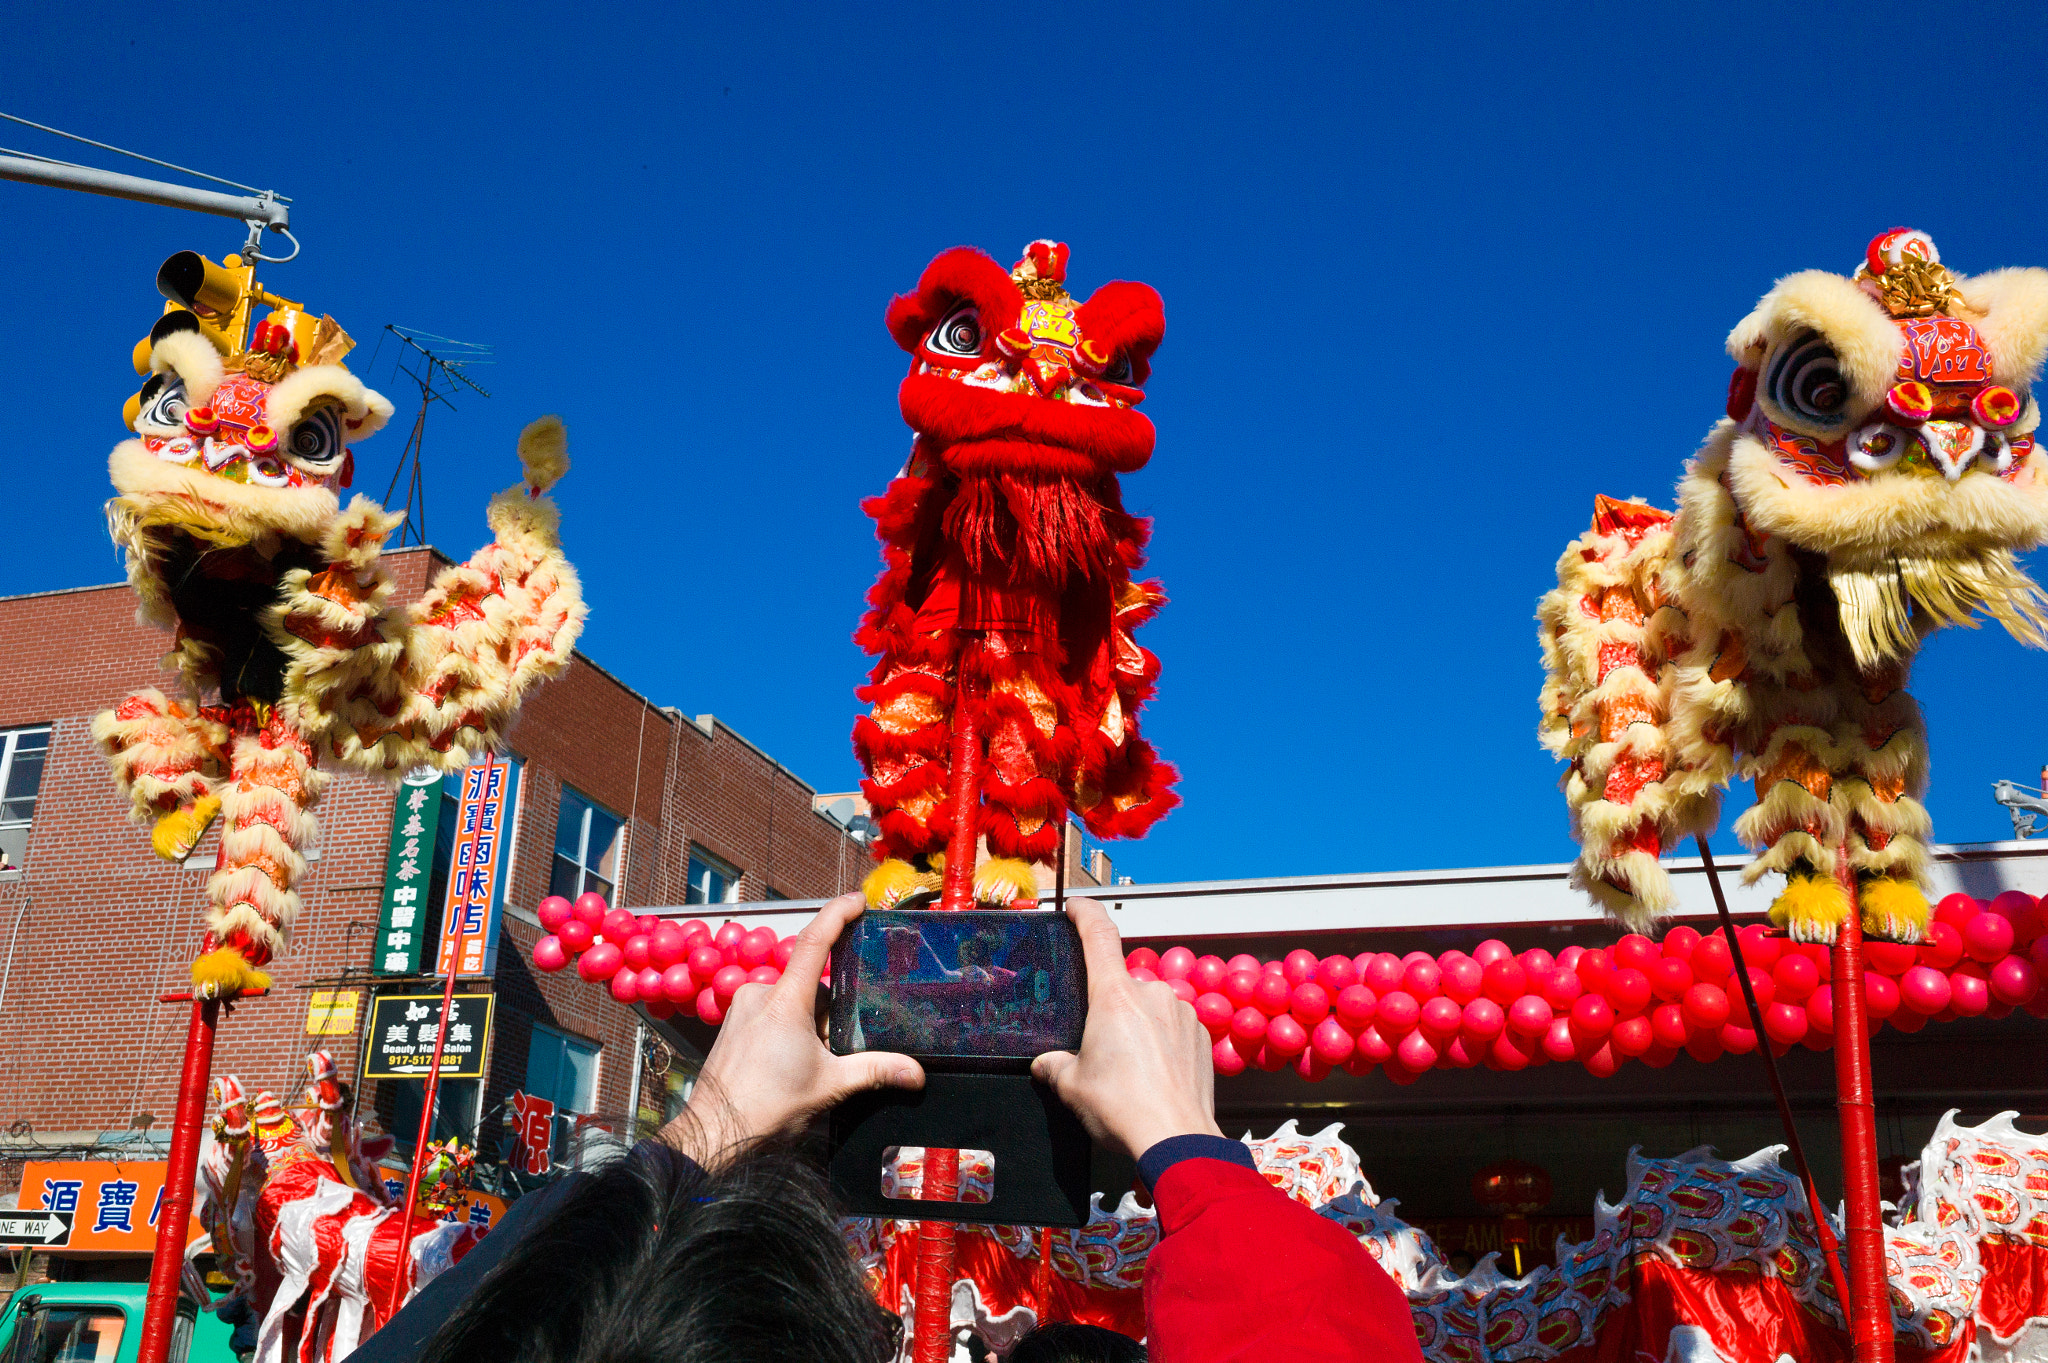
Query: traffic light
x=220 y=296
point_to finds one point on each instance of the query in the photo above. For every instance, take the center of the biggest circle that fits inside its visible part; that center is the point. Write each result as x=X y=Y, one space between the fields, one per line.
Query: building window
x=712 y=881
x=21 y=775
x=562 y=1069
x=587 y=847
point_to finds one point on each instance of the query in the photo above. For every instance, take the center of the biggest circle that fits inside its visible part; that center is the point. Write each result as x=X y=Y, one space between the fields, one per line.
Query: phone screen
x=971 y=987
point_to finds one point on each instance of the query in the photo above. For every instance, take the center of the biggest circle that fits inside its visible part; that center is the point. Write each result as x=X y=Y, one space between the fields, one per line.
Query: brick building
x=615 y=793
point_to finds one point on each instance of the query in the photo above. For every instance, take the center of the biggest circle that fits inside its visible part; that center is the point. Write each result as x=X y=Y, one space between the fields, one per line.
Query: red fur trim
x=962 y=273
x=1083 y=439
x=872 y=743
x=1005 y=839
x=1125 y=316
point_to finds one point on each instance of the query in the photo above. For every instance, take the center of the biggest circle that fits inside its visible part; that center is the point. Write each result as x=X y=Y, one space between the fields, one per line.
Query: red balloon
x=1760 y=949
x=1794 y=977
x=1383 y=973
x=729 y=936
x=647 y=923
x=639 y=951
x=1705 y=1047
x=1461 y=979
x=1740 y=1040
x=1459 y=1056
x=1988 y=937
x=1145 y=958
x=1591 y=1017
x=1397 y=1013
x=693 y=926
x=1331 y=1043
x=1636 y=952
x=1416 y=1052
x=601 y=962
x=709 y=1008
x=1529 y=1015
x=2013 y=906
x=1659 y=1057
x=1881 y=995
x=1668 y=1025
x=1679 y=942
x=553 y=912
x=1562 y=989
x=1311 y=1066
x=1504 y=980
x=1355 y=1006
x=678 y=985
x=1602 y=1062
x=576 y=935
x=1537 y=962
x=1956 y=910
x=1373 y=1047
x=1242 y=961
x=1924 y=990
x=1359 y=1065
x=1942 y=947
x=1785 y=1023
x=1508 y=1052
x=1300 y=966
x=1441 y=1018
x=1418 y=955
x=1182 y=990
x=1629 y=991
x=1632 y=1036
x=2014 y=982
x=1557 y=1041
x=1423 y=979
x=1569 y=958
x=1336 y=974
x=1711 y=961
x=665 y=946
x=618 y=925
x=1906 y=1020
x=1401 y=1074
x=785 y=949
x=1215 y=1012
x=705 y=961
x=548 y=954
x=757 y=947
x=1286 y=1037
x=1491 y=950
x=1483 y=1020
x=763 y=974
x=1594 y=969
x=1892 y=959
x=1239 y=986
x=1272 y=994
x=1706 y=1005
x=1207 y=974
x=1670 y=978
x=1820 y=1011
x=1248 y=1030
x=1309 y=1003
x=590 y=908
x=647 y=983
x=1969 y=994
x=1225 y=1057
x=727 y=981
x=625 y=986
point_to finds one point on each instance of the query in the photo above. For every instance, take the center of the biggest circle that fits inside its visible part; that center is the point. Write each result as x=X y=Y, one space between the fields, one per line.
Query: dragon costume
x=1874 y=478
x=289 y=647
x=1006 y=603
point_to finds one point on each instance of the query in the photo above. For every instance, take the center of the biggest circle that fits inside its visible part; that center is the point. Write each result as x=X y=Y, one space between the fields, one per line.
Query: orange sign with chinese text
x=114 y=1203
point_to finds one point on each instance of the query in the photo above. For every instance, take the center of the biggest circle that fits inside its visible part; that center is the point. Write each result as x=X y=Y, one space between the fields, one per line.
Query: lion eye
x=1806 y=381
x=959 y=335
x=163 y=409
x=315 y=442
x=1119 y=370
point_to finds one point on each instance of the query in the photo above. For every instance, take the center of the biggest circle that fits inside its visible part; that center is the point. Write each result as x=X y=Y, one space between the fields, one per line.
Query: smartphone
x=984 y=991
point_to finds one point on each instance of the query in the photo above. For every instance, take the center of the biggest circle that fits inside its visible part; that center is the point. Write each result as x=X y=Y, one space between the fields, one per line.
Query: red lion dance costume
x=1003 y=618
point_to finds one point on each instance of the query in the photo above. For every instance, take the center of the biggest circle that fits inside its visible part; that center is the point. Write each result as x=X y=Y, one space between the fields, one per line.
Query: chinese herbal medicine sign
x=483 y=836
x=408 y=866
x=402 y=1036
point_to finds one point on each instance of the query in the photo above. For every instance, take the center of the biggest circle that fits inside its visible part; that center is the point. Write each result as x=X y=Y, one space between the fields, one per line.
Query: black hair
x=653 y=1260
x=1059 y=1341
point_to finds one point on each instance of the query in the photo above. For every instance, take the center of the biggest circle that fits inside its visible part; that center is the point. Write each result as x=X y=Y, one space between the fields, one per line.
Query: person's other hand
x=769 y=1072
x=1144 y=1072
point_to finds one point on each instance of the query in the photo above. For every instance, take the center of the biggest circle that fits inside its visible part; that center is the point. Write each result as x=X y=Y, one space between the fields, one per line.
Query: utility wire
x=123 y=151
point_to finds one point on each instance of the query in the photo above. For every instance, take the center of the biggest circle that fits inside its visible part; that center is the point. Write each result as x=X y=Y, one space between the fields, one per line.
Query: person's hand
x=769 y=1072
x=1144 y=1072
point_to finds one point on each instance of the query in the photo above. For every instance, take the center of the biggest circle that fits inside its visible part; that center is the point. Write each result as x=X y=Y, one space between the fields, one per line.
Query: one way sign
x=35 y=1228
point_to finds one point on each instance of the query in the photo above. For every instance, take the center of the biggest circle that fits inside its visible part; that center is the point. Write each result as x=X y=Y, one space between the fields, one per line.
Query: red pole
x=167 y=1260
x=403 y=1272
x=958 y=892
x=1870 y=1315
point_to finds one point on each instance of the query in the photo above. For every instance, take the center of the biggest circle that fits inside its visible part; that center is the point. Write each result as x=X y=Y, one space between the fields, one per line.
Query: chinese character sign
x=402 y=1036
x=483 y=833
x=536 y=1118
x=407 y=867
x=115 y=1203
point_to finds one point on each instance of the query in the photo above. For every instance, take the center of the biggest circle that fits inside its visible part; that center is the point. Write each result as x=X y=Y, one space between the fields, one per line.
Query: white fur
x=367 y=410
x=192 y=358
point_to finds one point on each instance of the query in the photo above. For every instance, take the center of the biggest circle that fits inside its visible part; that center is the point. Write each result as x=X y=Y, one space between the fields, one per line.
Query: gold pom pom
x=544 y=452
x=224 y=973
x=178 y=832
x=1811 y=908
x=1895 y=909
x=1004 y=880
x=891 y=883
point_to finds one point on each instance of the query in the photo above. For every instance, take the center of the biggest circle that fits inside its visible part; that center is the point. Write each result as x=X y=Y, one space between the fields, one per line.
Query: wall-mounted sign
x=92 y=1204
x=402 y=1036
x=483 y=838
x=408 y=865
x=331 y=1012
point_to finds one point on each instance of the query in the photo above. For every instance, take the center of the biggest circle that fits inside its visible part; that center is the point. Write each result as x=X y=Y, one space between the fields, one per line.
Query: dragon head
x=1010 y=374
x=1886 y=421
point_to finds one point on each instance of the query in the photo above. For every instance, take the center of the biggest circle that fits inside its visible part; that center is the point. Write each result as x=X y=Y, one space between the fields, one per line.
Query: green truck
x=101 y=1323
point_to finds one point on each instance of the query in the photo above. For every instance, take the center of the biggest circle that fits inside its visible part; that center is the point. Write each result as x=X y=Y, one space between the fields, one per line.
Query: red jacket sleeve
x=1244 y=1274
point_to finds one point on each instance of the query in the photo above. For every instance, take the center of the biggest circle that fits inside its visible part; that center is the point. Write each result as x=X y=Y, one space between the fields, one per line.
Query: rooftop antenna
x=437 y=375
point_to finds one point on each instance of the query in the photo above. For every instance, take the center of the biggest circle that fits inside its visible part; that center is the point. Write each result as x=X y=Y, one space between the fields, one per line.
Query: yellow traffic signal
x=218 y=295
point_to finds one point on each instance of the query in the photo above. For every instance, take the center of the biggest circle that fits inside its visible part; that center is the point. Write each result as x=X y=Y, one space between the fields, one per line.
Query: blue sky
x=1434 y=276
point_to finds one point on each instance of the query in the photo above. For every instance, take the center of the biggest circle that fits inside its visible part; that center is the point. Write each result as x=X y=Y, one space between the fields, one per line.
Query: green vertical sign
x=408 y=865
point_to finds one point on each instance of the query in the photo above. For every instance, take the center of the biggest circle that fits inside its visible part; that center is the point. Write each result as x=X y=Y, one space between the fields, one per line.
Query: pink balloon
x=576 y=935
x=786 y=948
x=710 y=1009
x=1461 y=980
x=638 y=951
x=1569 y=958
x=677 y=984
x=1739 y=1040
x=1820 y=1011
x=2015 y=906
x=1215 y=1012
x=1956 y=910
x=1632 y=1036
x=618 y=925
x=1906 y=1020
x=1705 y=1047
x=1176 y=963
x=1707 y=1006
x=1881 y=995
x=1659 y=1057
x=1509 y=1052
x=1383 y=973
x=1785 y=1023
x=1336 y=974
x=647 y=923
x=1969 y=994
x=1272 y=995
x=757 y=947
x=1423 y=979
x=1484 y=1019
x=2014 y=982
x=1530 y=1015
x=1248 y=1029
x=1988 y=937
x=549 y=955
x=626 y=986
x=1416 y=1053
x=1311 y=1066
x=1207 y=974
x=1356 y=1005
x=1504 y=980
x=647 y=983
x=1331 y=1043
x=1145 y=958
x=1794 y=977
x=694 y=927
x=1268 y=1061
x=1491 y=950
x=1924 y=990
x=1239 y=986
x=1891 y=959
x=1942 y=947
x=665 y=947
x=1594 y=969
x=601 y=962
x=729 y=936
x=1537 y=961
x=1142 y=975
x=1711 y=961
x=1441 y=1018
x=661 y=1008
x=1760 y=950
x=1636 y=952
x=1309 y=1003
x=1591 y=1017
x=1557 y=1041
x=763 y=974
x=1669 y=1027
x=1300 y=966
x=727 y=981
x=553 y=912
x=1460 y=1056
x=1629 y=991
x=706 y=961
x=1602 y=1062
x=1679 y=942
x=1241 y=961
x=1397 y=1013
x=1225 y=1057
x=1182 y=990
x=1562 y=989
x=1670 y=978
x=1373 y=1049
x=590 y=908
x=1285 y=1036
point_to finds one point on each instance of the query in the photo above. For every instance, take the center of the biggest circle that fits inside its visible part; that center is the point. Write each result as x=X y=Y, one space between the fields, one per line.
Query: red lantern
x=1511 y=1189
